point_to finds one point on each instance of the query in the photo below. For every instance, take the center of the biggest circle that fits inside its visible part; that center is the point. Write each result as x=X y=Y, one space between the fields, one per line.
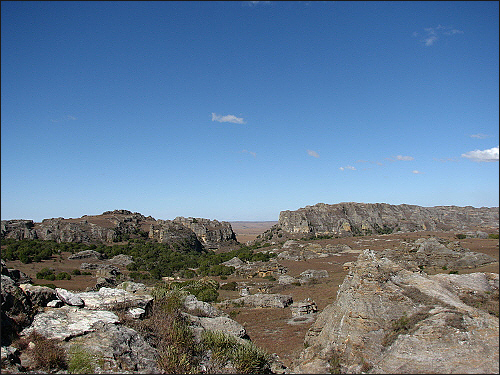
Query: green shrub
x=46 y=273
x=460 y=236
x=81 y=361
x=229 y=286
x=76 y=272
x=63 y=276
x=246 y=357
x=493 y=236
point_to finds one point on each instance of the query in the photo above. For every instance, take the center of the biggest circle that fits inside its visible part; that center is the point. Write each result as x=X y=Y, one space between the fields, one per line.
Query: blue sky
x=239 y=110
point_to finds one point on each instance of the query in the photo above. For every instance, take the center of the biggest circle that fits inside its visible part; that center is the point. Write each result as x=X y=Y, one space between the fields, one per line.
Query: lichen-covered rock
x=262 y=300
x=107 y=298
x=87 y=254
x=350 y=218
x=39 y=295
x=116 y=349
x=68 y=321
x=69 y=298
x=392 y=318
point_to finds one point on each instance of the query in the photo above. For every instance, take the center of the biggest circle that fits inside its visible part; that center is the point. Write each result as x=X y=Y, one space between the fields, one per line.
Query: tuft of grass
x=47 y=354
x=246 y=358
x=81 y=361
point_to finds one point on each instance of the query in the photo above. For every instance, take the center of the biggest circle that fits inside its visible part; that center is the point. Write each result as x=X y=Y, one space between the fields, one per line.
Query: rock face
x=347 y=219
x=119 y=225
x=211 y=233
x=390 y=317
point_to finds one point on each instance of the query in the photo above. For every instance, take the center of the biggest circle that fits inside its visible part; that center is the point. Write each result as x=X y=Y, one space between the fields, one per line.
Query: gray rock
x=117 y=349
x=220 y=323
x=200 y=308
x=56 y=303
x=304 y=307
x=121 y=260
x=132 y=287
x=107 y=298
x=262 y=300
x=86 y=254
x=68 y=321
x=39 y=295
x=312 y=274
x=69 y=298
x=350 y=218
x=286 y=279
x=137 y=313
x=392 y=319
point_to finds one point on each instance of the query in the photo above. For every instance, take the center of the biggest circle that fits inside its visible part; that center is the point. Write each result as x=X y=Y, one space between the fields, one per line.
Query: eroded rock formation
x=390 y=317
x=119 y=225
x=350 y=218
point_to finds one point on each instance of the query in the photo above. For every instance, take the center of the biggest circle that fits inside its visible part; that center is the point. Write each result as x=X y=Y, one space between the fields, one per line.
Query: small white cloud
x=404 y=158
x=250 y=152
x=430 y=40
x=482 y=156
x=416 y=172
x=480 y=136
x=349 y=167
x=432 y=34
x=313 y=153
x=227 y=118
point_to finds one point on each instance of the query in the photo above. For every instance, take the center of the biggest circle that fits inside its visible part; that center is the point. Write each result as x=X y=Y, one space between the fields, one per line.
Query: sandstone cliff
x=347 y=219
x=119 y=225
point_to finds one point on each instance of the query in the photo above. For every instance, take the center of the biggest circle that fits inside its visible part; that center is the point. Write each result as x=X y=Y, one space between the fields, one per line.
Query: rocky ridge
x=117 y=225
x=350 y=218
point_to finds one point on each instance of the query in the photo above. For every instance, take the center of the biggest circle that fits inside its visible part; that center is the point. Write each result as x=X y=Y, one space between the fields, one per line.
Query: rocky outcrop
x=390 y=317
x=347 y=219
x=121 y=225
x=261 y=300
x=211 y=233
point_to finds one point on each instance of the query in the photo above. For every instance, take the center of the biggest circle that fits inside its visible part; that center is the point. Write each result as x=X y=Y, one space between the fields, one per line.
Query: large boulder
x=69 y=298
x=262 y=300
x=66 y=322
x=39 y=295
x=116 y=349
x=108 y=298
x=390 y=318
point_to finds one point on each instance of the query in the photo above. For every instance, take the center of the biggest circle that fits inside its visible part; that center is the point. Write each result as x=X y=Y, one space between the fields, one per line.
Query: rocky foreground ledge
x=391 y=317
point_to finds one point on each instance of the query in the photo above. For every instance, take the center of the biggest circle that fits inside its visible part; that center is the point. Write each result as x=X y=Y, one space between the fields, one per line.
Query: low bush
x=493 y=236
x=47 y=354
x=246 y=358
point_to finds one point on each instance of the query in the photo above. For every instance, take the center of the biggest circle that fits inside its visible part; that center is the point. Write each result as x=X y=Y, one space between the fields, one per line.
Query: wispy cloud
x=444 y=160
x=254 y=3
x=65 y=118
x=227 y=118
x=313 y=153
x=348 y=167
x=432 y=34
x=482 y=156
x=479 y=136
x=416 y=172
x=404 y=158
x=249 y=152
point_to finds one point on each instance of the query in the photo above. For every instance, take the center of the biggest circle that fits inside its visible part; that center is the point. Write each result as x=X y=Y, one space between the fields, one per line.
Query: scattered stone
x=137 y=313
x=304 y=307
x=262 y=300
x=69 y=298
x=195 y=307
x=56 y=303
